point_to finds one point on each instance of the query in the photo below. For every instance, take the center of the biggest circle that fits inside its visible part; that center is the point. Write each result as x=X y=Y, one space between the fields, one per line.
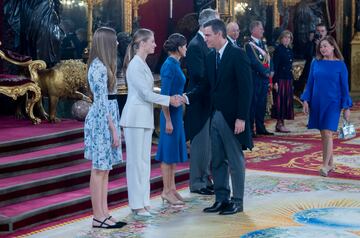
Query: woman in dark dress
x=172 y=145
x=283 y=89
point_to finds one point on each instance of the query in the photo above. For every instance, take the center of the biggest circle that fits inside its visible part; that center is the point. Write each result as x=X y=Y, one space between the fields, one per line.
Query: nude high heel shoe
x=178 y=196
x=170 y=200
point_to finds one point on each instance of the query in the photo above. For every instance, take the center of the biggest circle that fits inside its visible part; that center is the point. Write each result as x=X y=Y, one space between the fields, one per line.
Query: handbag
x=347 y=130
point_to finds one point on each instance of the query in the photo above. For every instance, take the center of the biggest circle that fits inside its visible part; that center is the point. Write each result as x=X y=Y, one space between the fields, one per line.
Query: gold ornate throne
x=17 y=85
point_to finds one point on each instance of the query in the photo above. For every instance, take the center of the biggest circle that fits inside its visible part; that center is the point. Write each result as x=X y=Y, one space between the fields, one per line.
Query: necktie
x=261 y=45
x=217 y=60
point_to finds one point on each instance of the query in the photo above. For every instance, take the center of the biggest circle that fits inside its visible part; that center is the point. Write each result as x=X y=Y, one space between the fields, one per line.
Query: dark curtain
x=331 y=16
x=1 y=30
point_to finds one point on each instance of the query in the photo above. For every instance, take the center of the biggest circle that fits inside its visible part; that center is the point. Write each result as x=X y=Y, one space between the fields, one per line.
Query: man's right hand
x=175 y=101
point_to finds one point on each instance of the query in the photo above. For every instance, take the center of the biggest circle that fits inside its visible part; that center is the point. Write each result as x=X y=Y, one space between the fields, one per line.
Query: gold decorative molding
x=90 y=8
x=339 y=22
x=355 y=63
x=4 y=57
x=131 y=9
x=276 y=14
x=127 y=16
x=34 y=66
x=353 y=16
x=19 y=90
x=225 y=8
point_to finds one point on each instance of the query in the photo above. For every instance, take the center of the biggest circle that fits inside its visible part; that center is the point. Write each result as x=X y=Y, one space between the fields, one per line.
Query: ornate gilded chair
x=14 y=85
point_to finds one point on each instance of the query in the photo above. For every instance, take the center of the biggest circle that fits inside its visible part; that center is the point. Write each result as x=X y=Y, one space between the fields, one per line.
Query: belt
x=112 y=97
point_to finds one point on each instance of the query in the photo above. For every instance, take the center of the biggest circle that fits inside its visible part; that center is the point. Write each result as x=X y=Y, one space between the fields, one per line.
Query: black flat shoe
x=265 y=133
x=204 y=191
x=210 y=187
x=119 y=223
x=231 y=208
x=217 y=207
x=105 y=225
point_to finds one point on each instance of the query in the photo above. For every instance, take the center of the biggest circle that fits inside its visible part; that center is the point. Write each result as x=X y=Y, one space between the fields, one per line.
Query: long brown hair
x=331 y=40
x=104 y=47
x=140 y=35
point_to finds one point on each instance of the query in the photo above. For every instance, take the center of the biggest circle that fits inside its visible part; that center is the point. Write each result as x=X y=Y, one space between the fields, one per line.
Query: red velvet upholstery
x=13 y=80
x=15 y=56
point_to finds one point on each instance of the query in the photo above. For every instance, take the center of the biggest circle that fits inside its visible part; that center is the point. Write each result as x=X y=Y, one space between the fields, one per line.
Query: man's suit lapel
x=224 y=61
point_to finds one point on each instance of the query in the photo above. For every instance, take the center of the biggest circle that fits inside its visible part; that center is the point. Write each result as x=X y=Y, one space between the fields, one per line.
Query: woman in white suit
x=137 y=119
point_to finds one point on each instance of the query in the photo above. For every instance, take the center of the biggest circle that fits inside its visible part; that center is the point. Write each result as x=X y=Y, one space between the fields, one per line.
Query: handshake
x=177 y=100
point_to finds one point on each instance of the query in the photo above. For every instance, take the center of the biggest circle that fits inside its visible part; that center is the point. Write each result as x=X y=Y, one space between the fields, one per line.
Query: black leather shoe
x=204 y=191
x=210 y=187
x=253 y=135
x=217 y=207
x=231 y=208
x=265 y=133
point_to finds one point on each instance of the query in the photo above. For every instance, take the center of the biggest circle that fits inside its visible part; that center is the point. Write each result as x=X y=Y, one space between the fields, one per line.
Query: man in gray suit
x=197 y=114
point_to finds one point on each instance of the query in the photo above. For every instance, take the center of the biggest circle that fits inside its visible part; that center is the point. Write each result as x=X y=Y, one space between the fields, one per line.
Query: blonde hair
x=104 y=47
x=331 y=40
x=139 y=36
x=286 y=33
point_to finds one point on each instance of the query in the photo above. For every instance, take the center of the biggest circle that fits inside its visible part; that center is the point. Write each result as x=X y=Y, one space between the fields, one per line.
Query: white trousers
x=138 y=165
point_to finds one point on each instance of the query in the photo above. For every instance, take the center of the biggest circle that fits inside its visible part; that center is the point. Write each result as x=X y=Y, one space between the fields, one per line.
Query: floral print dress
x=97 y=135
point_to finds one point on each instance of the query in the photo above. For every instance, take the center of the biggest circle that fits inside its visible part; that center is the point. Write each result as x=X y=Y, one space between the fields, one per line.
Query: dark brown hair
x=331 y=40
x=173 y=43
x=104 y=47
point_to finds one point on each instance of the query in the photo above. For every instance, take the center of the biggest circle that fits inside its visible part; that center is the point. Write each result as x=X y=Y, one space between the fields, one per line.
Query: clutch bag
x=347 y=130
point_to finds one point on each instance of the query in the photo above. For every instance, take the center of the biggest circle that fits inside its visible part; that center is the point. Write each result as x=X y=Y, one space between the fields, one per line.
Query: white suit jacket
x=138 y=110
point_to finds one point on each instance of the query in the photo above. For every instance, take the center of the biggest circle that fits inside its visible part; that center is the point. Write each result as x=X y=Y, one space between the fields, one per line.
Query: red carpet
x=13 y=129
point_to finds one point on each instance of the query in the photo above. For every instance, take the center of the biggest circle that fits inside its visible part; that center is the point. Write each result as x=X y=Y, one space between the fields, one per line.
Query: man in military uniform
x=260 y=65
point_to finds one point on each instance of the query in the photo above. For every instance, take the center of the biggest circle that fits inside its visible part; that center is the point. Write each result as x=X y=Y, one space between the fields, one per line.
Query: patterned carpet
x=300 y=151
x=284 y=197
x=276 y=205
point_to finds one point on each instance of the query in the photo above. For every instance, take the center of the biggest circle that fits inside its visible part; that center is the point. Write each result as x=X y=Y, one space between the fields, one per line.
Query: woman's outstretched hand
x=306 y=107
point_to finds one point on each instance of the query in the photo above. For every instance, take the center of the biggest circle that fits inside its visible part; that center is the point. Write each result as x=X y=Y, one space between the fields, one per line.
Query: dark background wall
x=155 y=16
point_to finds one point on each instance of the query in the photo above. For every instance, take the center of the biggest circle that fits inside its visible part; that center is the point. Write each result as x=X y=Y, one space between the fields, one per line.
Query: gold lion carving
x=64 y=80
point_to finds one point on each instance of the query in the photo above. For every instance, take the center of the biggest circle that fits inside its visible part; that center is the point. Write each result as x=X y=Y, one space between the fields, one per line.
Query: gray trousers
x=200 y=157
x=227 y=156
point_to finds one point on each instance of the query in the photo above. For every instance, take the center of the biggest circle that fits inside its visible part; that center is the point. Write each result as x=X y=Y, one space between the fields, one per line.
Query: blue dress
x=172 y=147
x=327 y=92
x=97 y=135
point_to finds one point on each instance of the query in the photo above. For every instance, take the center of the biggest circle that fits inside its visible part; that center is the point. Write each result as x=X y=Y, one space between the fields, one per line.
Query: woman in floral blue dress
x=102 y=129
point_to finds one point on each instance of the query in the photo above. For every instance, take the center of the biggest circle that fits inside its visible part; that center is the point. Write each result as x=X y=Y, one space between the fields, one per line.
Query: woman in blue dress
x=325 y=95
x=172 y=144
x=102 y=127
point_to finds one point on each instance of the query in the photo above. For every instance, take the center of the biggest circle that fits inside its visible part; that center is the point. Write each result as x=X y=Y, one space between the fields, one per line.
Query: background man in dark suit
x=197 y=114
x=309 y=54
x=260 y=64
x=233 y=32
x=229 y=84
